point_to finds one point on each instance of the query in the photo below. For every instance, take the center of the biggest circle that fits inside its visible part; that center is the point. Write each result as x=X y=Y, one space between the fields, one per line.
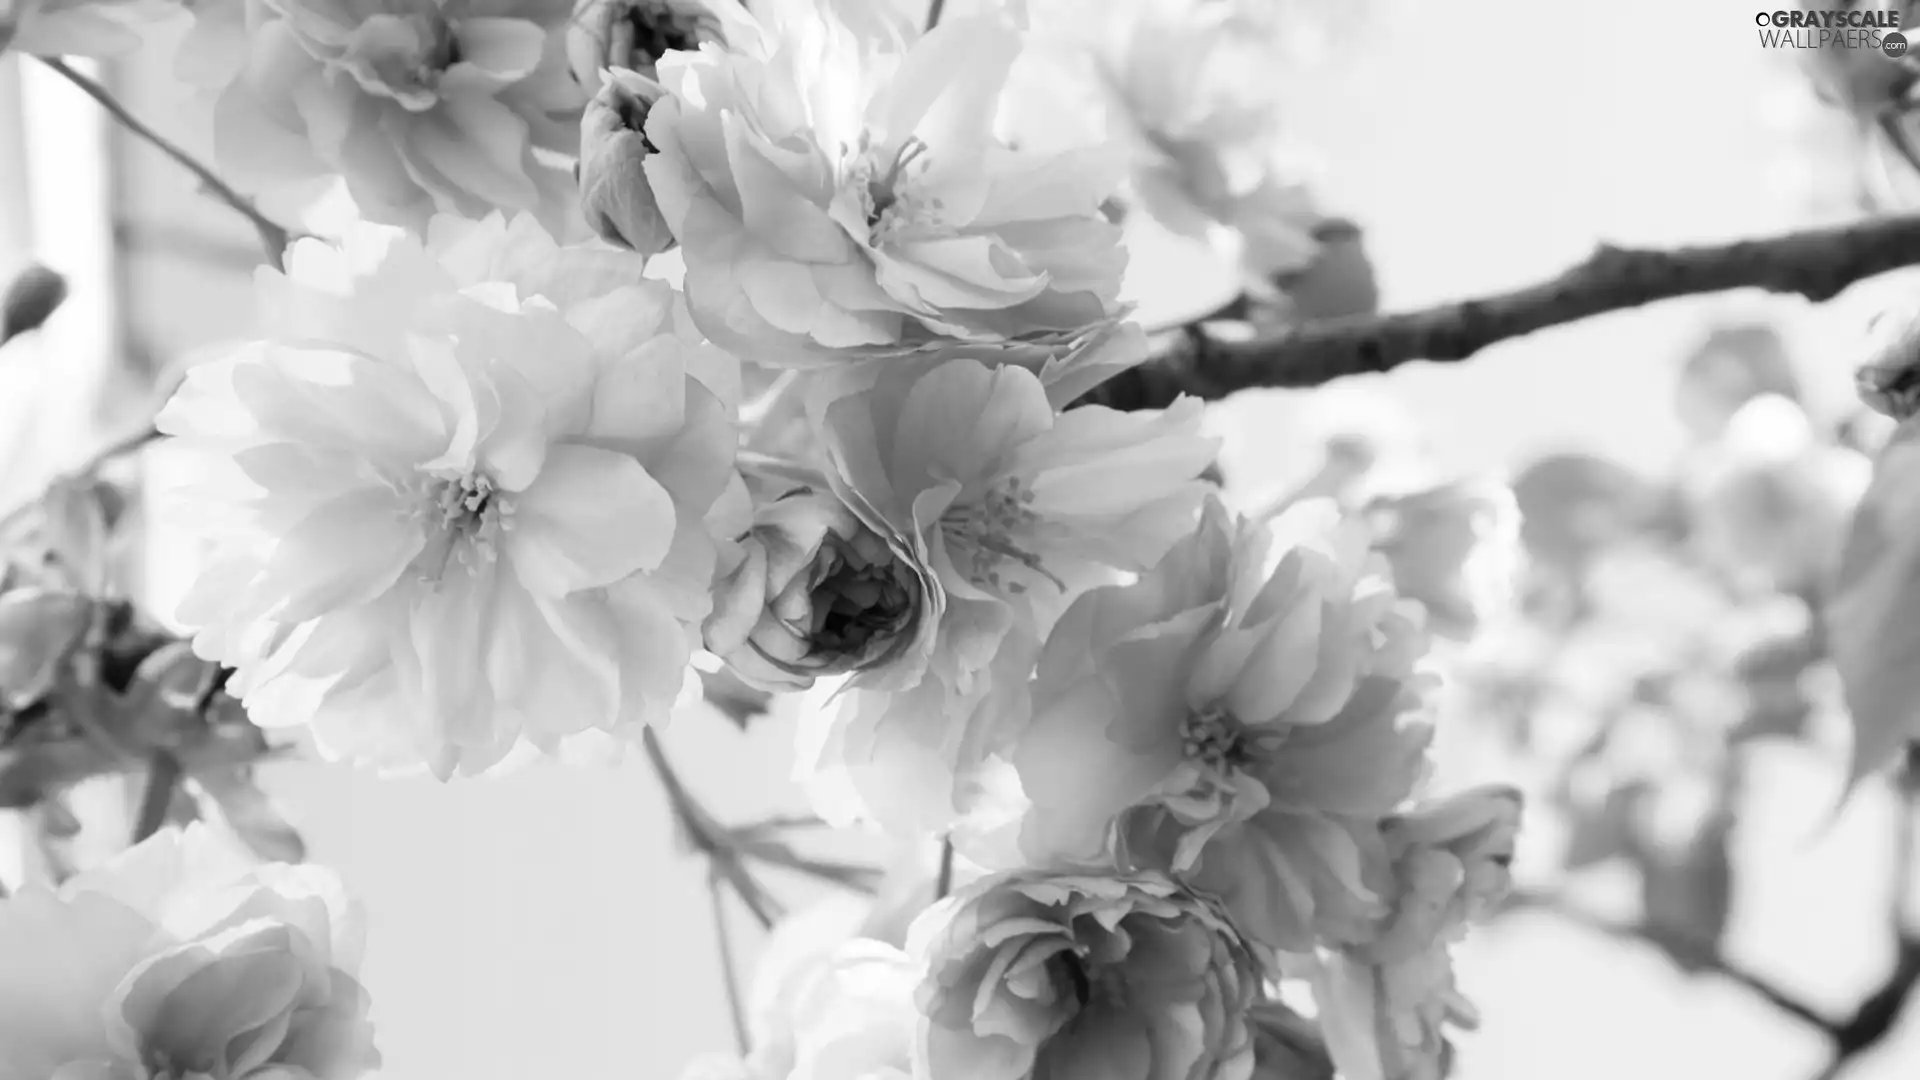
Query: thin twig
x=729 y=974
x=272 y=236
x=1213 y=359
x=163 y=779
x=706 y=836
x=943 y=884
x=1706 y=956
x=933 y=13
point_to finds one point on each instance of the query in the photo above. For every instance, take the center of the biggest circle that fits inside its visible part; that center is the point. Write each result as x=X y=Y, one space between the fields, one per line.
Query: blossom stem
x=163 y=779
x=933 y=13
x=943 y=884
x=1215 y=358
x=729 y=974
x=273 y=237
x=707 y=836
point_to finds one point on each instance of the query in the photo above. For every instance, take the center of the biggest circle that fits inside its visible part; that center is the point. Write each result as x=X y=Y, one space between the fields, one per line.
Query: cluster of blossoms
x=486 y=486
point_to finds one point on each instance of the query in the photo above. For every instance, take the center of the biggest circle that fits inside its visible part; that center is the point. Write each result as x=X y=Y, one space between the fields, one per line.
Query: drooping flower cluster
x=181 y=959
x=485 y=485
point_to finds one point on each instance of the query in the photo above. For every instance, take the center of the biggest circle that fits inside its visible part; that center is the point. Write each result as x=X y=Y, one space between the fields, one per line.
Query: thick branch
x=1216 y=358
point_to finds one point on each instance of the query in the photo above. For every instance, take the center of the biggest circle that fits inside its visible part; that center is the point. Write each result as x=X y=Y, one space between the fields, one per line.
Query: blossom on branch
x=634 y=34
x=460 y=498
x=997 y=511
x=179 y=958
x=1032 y=975
x=421 y=107
x=1239 y=721
x=1387 y=996
x=841 y=191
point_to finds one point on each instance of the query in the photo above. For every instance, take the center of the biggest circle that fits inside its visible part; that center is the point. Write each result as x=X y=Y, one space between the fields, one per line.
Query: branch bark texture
x=1212 y=359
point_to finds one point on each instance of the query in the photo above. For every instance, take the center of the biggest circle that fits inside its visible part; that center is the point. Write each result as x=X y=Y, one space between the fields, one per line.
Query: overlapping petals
x=839 y=190
x=181 y=959
x=461 y=498
x=1239 y=722
x=1004 y=511
x=97 y=28
x=420 y=107
x=1034 y=975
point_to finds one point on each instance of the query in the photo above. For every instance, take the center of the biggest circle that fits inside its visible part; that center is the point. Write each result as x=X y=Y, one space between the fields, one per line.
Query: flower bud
x=1889 y=379
x=816 y=593
x=634 y=34
x=614 y=193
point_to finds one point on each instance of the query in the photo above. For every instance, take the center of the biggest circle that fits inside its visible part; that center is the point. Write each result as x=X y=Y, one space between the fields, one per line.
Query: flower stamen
x=984 y=532
x=465 y=516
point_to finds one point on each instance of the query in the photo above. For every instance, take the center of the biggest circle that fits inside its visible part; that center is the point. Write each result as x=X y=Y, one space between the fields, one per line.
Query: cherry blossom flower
x=1239 y=721
x=1034 y=975
x=179 y=958
x=97 y=28
x=421 y=107
x=995 y=512
x=840 y=191
x=460 y=498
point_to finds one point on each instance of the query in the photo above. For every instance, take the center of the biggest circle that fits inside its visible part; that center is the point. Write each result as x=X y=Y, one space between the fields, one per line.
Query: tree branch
x=1212 y=359
x=273 y=236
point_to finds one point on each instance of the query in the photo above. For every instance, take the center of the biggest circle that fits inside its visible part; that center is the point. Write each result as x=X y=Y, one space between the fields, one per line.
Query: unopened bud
x=614 y=193
x=34 y=296
x=1889 y=381
x=634 y=34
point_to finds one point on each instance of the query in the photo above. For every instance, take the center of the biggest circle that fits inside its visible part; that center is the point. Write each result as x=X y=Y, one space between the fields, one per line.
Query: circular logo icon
x=1894 y=44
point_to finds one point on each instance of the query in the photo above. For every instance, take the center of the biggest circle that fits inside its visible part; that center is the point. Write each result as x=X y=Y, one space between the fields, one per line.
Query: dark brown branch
x=1213 y=359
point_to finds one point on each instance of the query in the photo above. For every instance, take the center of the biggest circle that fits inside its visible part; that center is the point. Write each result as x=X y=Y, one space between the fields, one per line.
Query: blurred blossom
x=817 y=592
x=885 y=213
x=1030 y=976
x=39 y=628
x=997 y=511
x=1865 y=81
x=614 y=194
x=635 y=34
x=1771 y=501
x=848 y=1014
x=421 y=108
x=1237 y=719
x=1188 y=87
x=1387 y=997
x=179 y=958
x=96 y=28
x=1454 y=548
x=461 y=498
x=1731 y=367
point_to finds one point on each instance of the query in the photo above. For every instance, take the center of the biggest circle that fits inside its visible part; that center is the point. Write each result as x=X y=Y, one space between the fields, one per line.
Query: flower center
x=984 y=537
x=1218 y=741
x=464 y=516
x=886 y=189
x=857 y=602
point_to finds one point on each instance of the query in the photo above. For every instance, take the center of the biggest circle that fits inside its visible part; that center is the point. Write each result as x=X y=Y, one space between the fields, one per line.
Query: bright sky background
x=542 y=924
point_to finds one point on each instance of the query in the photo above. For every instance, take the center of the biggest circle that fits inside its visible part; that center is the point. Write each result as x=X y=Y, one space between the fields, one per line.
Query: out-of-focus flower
x=421 y=107
x=817 y=592
x=1238 y=722
x=839 y=191
x=1004 y=511
x=1454 y=548
x=1771 y=501
x=1386 y=999
x=39 y=629
x=1035 y=975
x=843 y=1012
x=98 y=28
x=1888 y=376
x=181 y=959
x=1188 y=88
x=460 y=498
x=635 y=34
x=1731 y=366
x=614 y=194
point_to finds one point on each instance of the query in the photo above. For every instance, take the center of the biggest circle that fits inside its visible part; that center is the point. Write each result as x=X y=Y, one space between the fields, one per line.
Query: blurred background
x=1688 y=852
